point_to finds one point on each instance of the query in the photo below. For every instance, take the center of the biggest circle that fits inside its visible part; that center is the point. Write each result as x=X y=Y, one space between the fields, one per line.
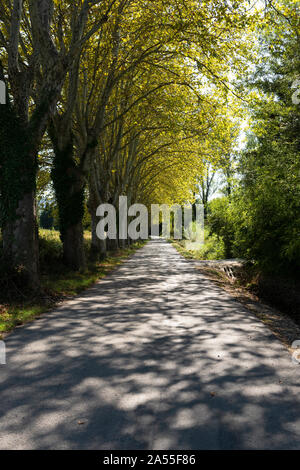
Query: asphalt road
x=154 y=356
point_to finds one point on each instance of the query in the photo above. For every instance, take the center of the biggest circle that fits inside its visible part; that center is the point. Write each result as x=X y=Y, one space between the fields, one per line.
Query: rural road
x=154 y=356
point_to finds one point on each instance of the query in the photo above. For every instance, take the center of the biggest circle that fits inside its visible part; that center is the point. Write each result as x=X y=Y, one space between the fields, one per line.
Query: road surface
x=154 y=356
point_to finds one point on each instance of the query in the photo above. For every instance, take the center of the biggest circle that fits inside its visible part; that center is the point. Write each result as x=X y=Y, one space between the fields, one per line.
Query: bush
x=51 y=249
x=213 y=247
x=221 y=223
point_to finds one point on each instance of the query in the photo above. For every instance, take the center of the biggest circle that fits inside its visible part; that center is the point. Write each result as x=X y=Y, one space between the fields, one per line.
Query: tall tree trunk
x=73 y=245
x=20 y=240
x=122 y=243
x=18 y=165
x=112 y=245
x=69 y=185
x=98 y=247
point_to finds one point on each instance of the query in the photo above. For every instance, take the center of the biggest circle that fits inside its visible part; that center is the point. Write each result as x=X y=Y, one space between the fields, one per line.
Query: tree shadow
x=152 y=357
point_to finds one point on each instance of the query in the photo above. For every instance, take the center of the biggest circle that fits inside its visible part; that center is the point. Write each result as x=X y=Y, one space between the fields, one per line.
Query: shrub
x=213 y=247
x=51 y=248
x=221 y=223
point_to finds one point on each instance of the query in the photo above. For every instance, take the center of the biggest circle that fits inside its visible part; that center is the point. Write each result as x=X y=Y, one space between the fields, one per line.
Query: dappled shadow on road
x=153 y=357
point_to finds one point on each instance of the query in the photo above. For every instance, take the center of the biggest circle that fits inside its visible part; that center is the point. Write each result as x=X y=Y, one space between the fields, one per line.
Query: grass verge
x=213 y=248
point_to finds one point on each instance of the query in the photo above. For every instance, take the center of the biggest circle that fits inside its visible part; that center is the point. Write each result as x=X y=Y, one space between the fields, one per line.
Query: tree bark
x=17 y=189
x=112 y=245
x=69 y=185
x=20 y=240
x=98 y=247
x=73 y=247
x=122 y=243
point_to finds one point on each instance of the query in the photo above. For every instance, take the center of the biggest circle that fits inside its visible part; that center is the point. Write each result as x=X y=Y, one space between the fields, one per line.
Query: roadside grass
x=213 y=248
x=57 y=282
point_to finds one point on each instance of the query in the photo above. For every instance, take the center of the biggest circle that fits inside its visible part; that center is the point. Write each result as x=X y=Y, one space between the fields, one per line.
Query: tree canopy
x=139 y=98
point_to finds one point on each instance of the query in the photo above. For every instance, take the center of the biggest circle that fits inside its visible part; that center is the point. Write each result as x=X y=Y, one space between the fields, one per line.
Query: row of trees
x=260 y=219
x=106 y=98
